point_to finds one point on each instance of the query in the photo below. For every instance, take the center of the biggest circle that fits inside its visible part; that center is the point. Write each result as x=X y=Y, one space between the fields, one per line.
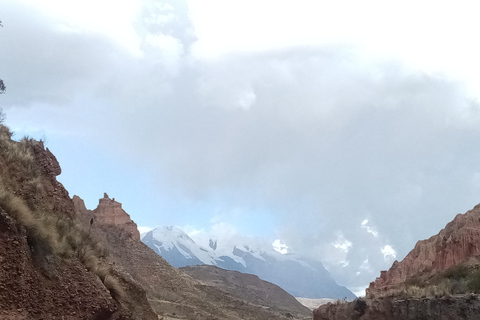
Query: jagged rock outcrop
x=50 y=267
x=110 y=212
x=46 y=159
x=53 y=196
x=170 y=291
x=447 y=308
x=80 y=208
x=453 y=245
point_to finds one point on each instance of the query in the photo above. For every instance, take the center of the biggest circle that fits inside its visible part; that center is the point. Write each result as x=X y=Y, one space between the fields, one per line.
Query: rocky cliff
x=454 y=245
x=50 y=265
x=436 y=280
x=110 y=212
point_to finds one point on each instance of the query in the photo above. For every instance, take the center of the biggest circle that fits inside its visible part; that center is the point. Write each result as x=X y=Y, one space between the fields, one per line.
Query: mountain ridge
x=311 y=279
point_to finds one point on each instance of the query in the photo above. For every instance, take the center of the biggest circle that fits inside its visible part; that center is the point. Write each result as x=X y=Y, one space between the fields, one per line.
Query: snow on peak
x=169 y=237
x=212 y=249
x=170 y=233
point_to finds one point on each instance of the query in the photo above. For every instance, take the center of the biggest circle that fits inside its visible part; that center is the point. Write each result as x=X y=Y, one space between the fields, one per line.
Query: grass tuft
x=47 y=232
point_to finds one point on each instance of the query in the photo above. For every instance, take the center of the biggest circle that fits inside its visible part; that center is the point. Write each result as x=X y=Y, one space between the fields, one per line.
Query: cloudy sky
x=347 y=130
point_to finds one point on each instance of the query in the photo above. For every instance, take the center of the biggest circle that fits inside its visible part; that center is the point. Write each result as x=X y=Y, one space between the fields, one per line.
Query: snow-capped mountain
x=299 y=277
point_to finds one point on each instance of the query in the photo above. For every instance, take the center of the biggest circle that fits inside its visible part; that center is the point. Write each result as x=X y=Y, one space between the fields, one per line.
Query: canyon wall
x=459 y=241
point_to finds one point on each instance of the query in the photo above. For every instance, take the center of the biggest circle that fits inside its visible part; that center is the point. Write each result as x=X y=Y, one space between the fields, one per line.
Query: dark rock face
x=447 y=308
x=47 y=161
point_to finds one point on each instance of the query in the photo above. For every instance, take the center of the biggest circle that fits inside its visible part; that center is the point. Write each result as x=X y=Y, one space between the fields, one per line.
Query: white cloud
x=246 y=100
x=109 y=17
x=377 y=28
x=343 y=245
x=369 y=229
x=388 y=252
x=167 y=50
x=144 y=229
x=191 y=231
x=279 y=246
x=316 y=136
x=358 y=291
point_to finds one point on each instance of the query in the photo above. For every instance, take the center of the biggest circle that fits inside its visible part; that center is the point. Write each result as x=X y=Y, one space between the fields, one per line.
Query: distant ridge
x=299 y=277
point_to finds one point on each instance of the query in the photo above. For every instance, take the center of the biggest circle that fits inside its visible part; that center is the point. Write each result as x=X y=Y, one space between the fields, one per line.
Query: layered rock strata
x=110 y=212
x=453 y=245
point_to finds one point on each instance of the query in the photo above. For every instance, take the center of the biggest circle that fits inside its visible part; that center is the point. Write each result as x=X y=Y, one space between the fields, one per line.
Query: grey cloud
x=323 y=149
x=316 y=137
x=43 y=64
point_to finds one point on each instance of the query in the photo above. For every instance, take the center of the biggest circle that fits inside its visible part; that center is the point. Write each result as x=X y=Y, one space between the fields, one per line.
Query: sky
x=345 y=131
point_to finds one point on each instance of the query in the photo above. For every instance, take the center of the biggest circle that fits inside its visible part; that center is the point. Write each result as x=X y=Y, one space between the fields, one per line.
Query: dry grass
x=112 y=284
x=63 y=237
x=59 y=235
x=17 y=161
x=442 y=287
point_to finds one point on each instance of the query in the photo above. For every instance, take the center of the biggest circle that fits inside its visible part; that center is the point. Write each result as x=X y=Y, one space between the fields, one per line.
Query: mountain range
x=298 y=276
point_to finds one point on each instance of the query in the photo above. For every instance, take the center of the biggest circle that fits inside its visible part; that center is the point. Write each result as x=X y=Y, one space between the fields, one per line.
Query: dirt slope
x=248 y=288
x=49 y=265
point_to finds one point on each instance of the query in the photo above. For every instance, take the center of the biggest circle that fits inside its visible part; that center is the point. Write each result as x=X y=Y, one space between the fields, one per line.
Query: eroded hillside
x=438 y=279
x=62 y=261
x=52 y=267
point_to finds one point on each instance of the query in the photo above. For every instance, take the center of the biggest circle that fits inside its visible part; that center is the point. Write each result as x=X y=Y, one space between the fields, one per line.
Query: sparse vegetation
x=460 y=279
x=113 y=286
x=48 y=232
x=359 y=306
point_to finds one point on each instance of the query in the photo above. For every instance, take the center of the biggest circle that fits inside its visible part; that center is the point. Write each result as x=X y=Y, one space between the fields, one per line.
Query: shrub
x=114 y=287
x=360 y=306
x=474 y=284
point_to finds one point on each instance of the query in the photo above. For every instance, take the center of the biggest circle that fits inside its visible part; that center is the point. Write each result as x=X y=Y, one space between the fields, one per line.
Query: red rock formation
x=459 y=241
x=110 y=212
x=79 y=205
